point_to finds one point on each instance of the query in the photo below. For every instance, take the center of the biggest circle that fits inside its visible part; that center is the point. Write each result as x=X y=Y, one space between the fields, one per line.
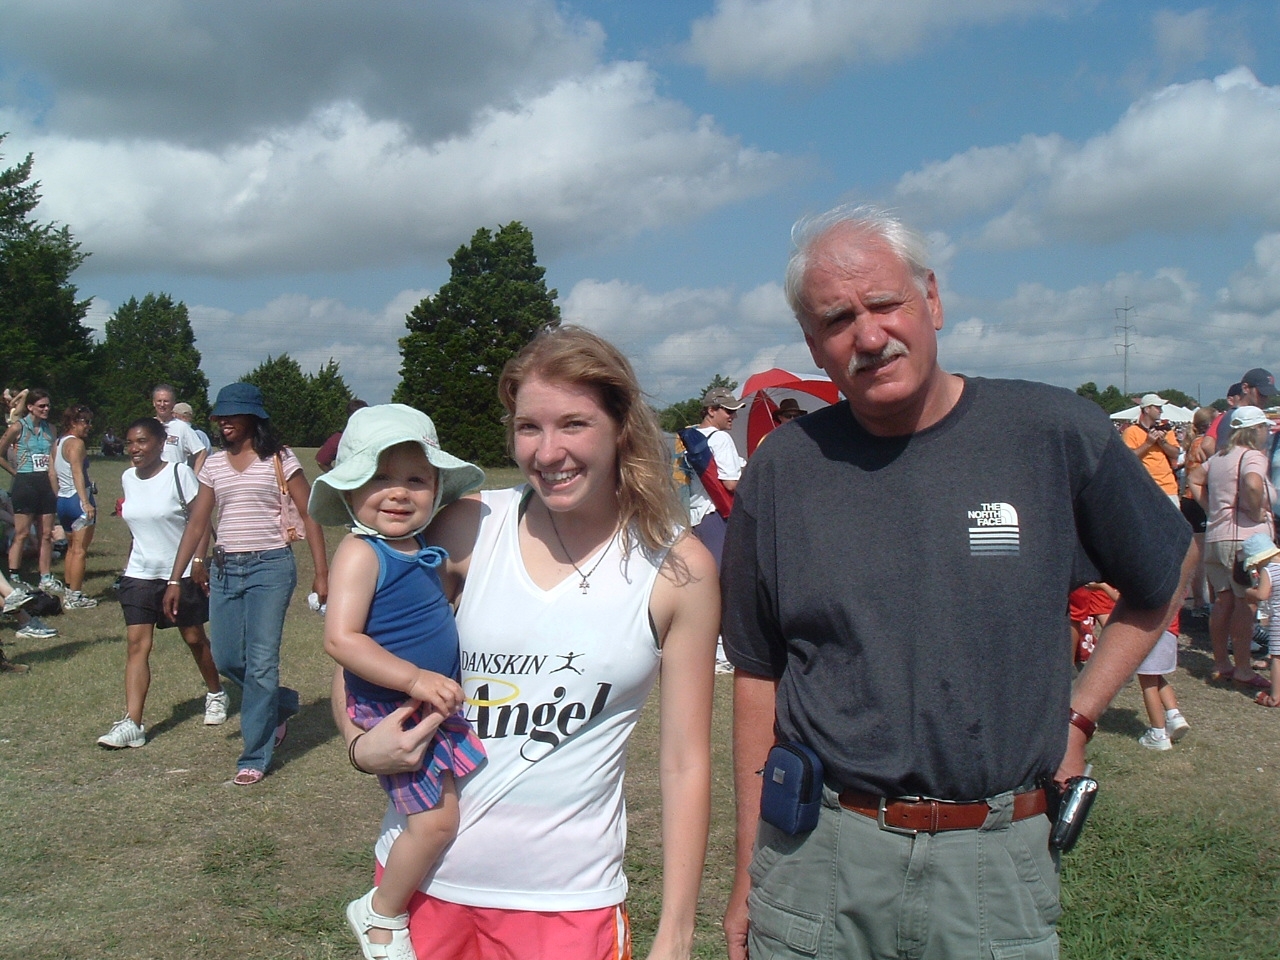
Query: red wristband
x=1082 y=723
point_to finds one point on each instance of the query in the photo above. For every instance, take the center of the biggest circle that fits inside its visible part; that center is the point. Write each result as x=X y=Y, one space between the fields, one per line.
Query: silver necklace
x=584 y=584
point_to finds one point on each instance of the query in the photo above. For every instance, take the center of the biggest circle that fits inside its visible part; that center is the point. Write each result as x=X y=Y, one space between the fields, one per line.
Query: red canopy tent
x=764 y=391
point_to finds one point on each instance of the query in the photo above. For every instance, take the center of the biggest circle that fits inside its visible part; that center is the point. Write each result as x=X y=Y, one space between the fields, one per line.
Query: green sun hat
x=369 y=432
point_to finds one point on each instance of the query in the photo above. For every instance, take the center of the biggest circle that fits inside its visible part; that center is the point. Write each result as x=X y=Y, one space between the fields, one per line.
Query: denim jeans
x=248 y=598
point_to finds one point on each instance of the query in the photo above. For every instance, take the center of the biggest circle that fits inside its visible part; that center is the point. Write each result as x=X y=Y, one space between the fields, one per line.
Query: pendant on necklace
x=584 y=586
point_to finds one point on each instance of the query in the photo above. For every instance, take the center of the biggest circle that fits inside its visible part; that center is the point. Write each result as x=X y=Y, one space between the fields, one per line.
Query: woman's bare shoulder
x=687 y=569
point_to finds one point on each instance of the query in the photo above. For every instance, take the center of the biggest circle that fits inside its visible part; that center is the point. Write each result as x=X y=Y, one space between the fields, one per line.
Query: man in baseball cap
x=1258 y=385
x=707 y=518
x=1152 y=439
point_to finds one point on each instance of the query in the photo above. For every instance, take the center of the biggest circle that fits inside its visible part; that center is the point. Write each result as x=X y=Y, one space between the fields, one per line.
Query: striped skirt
x=456 y=749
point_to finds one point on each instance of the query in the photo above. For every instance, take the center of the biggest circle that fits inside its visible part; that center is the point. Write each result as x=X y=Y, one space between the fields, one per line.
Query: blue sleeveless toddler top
x=409 y=616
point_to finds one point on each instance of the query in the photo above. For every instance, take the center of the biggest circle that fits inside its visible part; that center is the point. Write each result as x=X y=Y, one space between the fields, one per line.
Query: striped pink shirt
x=248 y=503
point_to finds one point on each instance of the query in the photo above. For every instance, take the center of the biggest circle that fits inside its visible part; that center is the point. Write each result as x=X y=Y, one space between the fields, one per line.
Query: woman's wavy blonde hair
x=648 y=506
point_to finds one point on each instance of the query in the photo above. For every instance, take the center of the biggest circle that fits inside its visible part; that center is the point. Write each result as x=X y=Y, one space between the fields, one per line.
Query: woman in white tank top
x=77 y=511
x=575 y=592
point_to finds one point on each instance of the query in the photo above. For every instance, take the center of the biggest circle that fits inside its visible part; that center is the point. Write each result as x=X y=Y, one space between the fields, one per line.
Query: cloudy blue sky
x=299 y=173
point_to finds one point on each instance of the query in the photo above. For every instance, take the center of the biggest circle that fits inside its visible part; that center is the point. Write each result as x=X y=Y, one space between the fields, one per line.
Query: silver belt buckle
x=904 y=831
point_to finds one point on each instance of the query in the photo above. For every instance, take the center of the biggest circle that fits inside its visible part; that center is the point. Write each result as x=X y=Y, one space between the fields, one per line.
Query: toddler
x=1261 y=560
x=1166 y=724
x=390 y=626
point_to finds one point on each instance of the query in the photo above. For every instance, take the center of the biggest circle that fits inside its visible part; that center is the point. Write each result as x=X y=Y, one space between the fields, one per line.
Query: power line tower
x=1123 y=328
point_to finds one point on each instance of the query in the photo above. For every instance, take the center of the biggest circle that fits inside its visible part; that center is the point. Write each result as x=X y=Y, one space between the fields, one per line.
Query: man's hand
x=736 y=923
x=1073 y=761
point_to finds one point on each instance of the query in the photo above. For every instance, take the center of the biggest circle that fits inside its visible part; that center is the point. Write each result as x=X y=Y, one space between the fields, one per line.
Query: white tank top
x=66 y=483
x=555 y=680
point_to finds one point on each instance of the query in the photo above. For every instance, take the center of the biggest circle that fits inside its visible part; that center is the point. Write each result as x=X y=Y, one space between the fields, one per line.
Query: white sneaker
x=215 y=708
x=75 y=600
x=362 y=918
x=1152 y=742
x=51 y=584
x=15 y=599
x=1176 y=727
x=35 y=629
x=124 y=733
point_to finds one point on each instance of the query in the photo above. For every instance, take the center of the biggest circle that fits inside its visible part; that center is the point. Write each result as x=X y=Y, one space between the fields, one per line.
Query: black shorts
x=141 y=602
x=33 y=495
x=1194 y=514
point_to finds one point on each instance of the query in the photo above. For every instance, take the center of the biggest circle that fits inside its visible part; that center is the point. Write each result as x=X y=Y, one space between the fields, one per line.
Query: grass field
x=150 y=853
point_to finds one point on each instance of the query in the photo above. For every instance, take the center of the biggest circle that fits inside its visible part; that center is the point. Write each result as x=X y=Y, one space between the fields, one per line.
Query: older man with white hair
x=181 y=443
x=895 y=580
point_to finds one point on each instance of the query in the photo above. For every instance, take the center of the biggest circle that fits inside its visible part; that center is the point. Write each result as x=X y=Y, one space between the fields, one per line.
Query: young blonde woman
x=1237 y=497
x=577 y=591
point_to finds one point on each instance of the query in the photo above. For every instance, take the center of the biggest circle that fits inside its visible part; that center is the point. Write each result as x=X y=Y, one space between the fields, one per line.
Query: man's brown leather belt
x=931 y=816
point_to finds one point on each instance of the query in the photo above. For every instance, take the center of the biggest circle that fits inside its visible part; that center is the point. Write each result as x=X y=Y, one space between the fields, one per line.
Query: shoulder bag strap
x=177 y=485
x=279 y=465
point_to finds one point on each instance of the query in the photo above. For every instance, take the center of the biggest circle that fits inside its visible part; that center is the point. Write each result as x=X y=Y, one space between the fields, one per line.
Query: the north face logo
x=993 y=531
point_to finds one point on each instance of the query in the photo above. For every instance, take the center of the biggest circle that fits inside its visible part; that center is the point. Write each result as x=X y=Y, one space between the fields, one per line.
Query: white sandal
x=363 y=918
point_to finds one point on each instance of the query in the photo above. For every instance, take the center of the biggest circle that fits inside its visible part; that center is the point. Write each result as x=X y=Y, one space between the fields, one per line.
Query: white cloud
x=195 y=73
x=981 y=178
x=600 y=155
x=1182 y=38
x=1175 y=337
x=1249 y=306
x=1190 y=156
x=678 y=340
x=777 y=39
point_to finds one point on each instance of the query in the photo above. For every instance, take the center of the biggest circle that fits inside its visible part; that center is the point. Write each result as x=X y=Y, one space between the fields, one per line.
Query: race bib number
x=40 y=461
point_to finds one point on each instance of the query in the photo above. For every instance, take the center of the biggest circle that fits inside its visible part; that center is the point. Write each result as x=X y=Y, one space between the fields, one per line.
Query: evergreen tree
x=45 y=342
x=1112 y=400
x=494 y=303
x=1174 y=395
x=286 y=395
x=147 y=343
x=304 y=409
x=329 y=398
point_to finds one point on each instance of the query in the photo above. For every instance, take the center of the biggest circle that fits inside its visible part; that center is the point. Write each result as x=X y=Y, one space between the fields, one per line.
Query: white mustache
x=868 y=361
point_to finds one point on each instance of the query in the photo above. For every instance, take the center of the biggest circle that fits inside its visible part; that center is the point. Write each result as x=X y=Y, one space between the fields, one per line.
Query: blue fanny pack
x=792 y=792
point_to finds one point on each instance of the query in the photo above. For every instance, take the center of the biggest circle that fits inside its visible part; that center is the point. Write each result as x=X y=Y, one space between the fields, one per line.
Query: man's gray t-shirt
x=910 y=593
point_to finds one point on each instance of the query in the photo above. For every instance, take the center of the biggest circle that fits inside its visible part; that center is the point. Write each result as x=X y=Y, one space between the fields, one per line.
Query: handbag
x=291 y=527
x=1239 y=574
